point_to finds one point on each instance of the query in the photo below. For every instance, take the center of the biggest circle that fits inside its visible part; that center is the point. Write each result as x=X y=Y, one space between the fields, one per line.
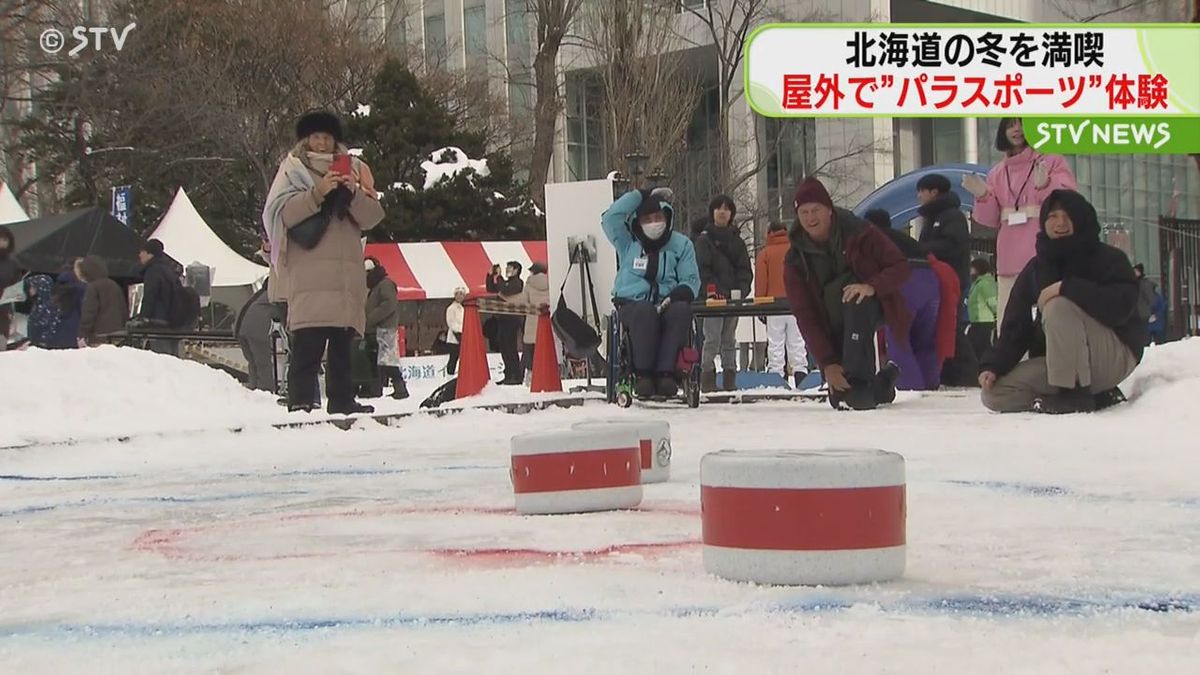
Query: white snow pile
x=448 y=162
x=362 y=110
x=526 y=204
x=1168 y=378
x=403 y=186
x=111 y=391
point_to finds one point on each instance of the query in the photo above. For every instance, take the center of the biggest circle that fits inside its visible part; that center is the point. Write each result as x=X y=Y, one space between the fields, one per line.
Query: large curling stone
x=654 y=440
x=823 y=517
x=576 y=471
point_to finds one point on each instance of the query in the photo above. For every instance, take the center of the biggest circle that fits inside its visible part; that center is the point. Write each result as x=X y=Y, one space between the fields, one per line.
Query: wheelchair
x=619 y=380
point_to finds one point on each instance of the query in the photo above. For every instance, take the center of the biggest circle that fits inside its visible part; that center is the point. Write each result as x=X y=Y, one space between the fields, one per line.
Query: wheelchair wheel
x=624 y=399
x=691 y=393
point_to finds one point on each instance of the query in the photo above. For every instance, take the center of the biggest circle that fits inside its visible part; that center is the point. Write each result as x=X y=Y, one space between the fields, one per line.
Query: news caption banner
x=1079 y=88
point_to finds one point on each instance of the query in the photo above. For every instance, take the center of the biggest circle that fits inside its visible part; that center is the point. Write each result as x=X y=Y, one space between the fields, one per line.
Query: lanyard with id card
x=640 y=263
x=1017 y=217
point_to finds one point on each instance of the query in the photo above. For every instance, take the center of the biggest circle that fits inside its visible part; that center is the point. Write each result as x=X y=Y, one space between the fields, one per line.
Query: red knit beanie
x=811 y=191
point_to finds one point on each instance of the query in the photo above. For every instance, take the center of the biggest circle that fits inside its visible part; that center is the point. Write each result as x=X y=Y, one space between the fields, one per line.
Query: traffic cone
x=545 y=359
x=473 y=371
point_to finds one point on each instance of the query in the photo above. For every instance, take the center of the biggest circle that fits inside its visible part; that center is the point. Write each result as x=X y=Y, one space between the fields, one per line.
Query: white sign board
x=573 y=210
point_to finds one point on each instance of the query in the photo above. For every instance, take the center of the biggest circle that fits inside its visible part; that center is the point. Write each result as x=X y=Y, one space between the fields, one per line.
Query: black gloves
x=681 y=294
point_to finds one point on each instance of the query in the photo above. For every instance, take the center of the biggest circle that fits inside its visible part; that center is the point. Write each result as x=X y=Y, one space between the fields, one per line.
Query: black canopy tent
x=46 y=244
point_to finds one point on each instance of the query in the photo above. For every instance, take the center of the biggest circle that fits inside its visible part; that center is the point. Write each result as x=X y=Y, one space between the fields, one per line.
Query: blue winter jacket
x=676 y=262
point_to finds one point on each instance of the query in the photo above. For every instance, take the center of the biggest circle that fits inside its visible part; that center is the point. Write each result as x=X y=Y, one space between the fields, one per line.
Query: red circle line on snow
x=586 y=470
x=780 y=519
x=170 y=542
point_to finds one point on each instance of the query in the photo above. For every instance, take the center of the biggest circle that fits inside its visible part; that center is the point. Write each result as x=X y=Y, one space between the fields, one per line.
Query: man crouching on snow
x=843 y=280
x=1073 y=309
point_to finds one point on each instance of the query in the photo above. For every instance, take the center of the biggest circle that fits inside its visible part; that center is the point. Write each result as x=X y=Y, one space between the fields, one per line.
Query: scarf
x=295 y=175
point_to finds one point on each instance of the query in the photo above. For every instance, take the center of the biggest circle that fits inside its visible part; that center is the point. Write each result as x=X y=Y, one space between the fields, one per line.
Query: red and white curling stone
x=654 y=440
x=576 y=471
x=826 y=517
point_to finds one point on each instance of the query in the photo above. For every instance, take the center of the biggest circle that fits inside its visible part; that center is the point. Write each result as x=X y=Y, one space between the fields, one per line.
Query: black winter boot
x=729 y=380
x=351 y=408
x=885 y=383
x=666 y=385
x=1108 y=398
x=1066 y=402
x=644 y=386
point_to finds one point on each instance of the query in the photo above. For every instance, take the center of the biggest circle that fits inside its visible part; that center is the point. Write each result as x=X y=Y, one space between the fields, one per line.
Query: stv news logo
x=52 y=40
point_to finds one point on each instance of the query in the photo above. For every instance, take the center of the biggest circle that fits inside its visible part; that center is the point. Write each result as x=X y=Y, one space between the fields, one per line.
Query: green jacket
x=981 y=303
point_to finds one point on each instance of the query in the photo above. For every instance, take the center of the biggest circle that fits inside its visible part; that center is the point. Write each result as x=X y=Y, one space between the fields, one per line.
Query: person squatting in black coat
x=1073 y=309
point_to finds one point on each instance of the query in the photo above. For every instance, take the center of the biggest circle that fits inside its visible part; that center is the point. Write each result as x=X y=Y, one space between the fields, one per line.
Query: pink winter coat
x=1015 y=243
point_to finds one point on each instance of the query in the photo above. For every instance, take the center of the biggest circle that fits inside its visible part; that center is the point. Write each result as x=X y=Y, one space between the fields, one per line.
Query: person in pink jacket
x=1011 y=200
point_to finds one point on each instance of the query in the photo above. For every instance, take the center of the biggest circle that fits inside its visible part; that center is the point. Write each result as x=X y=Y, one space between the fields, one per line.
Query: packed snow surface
x=1035 y=544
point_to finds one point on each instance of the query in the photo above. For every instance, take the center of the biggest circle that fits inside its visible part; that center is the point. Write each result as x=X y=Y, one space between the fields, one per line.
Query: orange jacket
x=768 y=266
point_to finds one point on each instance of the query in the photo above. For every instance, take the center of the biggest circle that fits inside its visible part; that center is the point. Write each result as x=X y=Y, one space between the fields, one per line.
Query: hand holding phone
x=341 y=165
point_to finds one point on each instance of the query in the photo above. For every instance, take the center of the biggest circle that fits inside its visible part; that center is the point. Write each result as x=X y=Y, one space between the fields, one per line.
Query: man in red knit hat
x=843 y=280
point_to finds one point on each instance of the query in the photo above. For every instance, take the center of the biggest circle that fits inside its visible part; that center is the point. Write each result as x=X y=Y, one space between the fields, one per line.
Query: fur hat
x=812 y=191
x=319 y=120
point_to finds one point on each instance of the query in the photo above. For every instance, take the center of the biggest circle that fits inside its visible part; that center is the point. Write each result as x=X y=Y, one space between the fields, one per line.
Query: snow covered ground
x=1035 y=545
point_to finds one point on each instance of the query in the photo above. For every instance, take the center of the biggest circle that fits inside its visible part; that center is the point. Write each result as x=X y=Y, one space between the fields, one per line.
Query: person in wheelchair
x=657 y=279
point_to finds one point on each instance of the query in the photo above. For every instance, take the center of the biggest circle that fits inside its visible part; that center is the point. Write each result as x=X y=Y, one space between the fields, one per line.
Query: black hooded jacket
x=160 y=278
x=1095 y=276
x=947 y=235
x=723 y=259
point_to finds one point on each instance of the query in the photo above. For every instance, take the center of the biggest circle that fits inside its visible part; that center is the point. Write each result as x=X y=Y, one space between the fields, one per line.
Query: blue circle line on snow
x=995 y=607
x=21 y=478
x=333 y=471
x=189 y=499
x=261 y=494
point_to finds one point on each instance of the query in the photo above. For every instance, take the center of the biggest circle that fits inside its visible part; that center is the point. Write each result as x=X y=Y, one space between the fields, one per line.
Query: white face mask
x=654 y=230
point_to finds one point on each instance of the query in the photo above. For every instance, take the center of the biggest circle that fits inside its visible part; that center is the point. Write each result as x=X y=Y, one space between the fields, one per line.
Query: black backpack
x=185 y=307
x=579 y=339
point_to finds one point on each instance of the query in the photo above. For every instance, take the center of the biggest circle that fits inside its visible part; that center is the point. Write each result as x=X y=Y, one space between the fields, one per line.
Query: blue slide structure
x=899 y=196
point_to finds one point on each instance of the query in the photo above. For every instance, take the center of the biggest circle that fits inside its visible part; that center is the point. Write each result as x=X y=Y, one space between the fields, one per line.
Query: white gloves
x=663 y=193
x=1041 y=176
x=975 y=185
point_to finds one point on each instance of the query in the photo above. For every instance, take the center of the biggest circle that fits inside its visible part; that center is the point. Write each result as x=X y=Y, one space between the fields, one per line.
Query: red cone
x=473 y=371
x=545 y=359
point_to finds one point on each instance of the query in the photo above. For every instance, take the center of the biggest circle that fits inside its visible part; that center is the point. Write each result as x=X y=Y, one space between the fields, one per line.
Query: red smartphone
x=341 y=164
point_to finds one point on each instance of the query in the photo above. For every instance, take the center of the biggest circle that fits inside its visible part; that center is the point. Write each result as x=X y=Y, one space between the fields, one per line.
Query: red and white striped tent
x=431 y=270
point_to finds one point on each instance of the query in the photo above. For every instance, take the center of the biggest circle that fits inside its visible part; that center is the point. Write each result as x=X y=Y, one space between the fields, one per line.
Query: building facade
x=493 y=43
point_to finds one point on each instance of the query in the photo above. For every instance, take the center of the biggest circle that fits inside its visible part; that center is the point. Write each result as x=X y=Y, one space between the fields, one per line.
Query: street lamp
x=658 y=177
x=636 y=161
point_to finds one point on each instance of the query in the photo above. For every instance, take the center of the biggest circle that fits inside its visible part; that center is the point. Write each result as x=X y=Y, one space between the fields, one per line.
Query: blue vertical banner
x=121 y=203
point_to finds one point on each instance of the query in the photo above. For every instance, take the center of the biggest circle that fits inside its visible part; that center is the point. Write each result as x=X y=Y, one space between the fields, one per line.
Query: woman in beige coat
x=537 y=293
x=325 y=286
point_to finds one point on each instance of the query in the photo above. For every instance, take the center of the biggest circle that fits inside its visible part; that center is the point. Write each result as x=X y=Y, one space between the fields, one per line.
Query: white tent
x=10 y=208
x=188 y=239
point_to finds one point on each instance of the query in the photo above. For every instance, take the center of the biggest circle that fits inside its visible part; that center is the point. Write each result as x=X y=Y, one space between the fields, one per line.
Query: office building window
x=435 y=34
x=791 y=150
x=516 y=30
x=585 y=130
x=475 y=29
x=395 y=28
